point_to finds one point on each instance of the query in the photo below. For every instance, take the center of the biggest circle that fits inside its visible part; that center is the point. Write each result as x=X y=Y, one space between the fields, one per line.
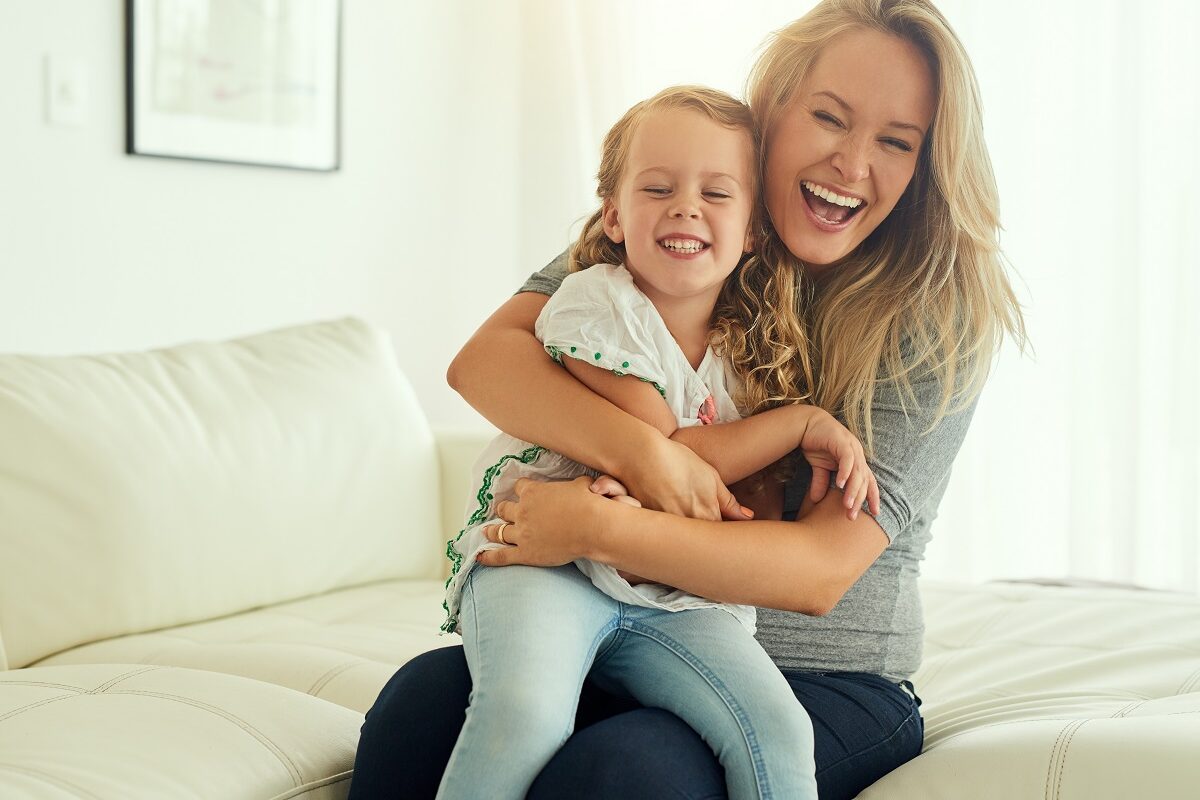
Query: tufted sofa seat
x=213 y=556
x=1059 y=692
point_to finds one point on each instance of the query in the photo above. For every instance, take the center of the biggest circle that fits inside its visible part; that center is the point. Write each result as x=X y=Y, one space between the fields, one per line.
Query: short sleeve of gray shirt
x=877 y=626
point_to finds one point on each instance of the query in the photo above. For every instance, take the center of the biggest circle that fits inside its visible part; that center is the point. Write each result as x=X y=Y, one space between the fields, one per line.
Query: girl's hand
x=828 y=446
x=610 y=487
x=670 y=477
x=550 y=523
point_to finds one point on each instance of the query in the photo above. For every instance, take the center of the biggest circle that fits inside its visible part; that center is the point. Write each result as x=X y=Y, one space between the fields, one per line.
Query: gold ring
x=500 y=532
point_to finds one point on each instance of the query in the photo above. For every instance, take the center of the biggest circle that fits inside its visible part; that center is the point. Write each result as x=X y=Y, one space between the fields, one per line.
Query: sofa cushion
x=341 y=647
x=146 y=490
x=129 y=731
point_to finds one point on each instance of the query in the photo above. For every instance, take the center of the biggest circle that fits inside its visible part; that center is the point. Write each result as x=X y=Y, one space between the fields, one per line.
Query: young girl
x=678 y=184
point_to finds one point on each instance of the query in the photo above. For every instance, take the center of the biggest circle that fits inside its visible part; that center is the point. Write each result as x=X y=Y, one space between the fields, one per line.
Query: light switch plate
x=66 y=91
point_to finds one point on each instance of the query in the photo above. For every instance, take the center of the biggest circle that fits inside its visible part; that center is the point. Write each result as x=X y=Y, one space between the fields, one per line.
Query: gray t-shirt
x=878 y=625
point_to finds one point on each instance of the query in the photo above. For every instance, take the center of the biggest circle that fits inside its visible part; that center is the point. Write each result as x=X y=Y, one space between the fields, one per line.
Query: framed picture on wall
x=245 y=81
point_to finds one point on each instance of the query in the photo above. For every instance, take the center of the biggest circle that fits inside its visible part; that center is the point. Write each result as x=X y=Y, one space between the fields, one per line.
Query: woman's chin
x=818 y=257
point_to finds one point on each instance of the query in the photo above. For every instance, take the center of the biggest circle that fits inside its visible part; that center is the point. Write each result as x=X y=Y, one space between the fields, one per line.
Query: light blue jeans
x=531 y=635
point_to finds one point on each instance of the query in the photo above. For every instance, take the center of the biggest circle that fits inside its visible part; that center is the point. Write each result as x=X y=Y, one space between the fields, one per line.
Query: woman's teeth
x=683 y=245
x=830 y=196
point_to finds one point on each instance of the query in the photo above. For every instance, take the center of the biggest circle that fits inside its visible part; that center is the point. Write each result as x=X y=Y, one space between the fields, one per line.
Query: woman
x=880 y=191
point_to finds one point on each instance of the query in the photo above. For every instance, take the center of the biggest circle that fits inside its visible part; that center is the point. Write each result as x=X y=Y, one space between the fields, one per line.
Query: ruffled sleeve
x=599 y=317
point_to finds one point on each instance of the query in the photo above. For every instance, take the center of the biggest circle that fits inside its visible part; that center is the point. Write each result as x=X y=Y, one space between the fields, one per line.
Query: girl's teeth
x=683 y=245
x=832 y=197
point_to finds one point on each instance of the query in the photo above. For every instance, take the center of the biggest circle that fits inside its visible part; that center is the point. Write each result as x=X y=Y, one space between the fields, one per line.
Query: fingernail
x=841 y=485
x=479 y=557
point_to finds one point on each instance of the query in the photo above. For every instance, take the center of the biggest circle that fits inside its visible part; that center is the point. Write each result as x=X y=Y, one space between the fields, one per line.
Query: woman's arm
x=505 y=374
x=804 y=566
x=740 y=448
x=735 y=449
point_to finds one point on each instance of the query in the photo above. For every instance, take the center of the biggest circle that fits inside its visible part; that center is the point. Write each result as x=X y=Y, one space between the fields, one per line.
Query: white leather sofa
x=213 y=556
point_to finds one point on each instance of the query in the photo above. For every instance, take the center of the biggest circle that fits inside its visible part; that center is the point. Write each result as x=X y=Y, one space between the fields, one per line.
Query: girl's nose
x=685 y=208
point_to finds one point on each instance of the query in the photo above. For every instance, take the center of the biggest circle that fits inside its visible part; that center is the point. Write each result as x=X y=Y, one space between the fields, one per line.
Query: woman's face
x=843 y=151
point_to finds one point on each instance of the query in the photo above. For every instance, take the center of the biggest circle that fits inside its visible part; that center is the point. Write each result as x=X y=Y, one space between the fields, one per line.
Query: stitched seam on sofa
x=44 y=684
x=931 y=732
x=899 y=728
x=1062 y=766
x=314 y=785
x=265 y=740
x=329 y=675
x=1127 y=710
x=18 y=711
x=107 y=685
x=46 y=777
x=1052 y=767
x=1190 y=683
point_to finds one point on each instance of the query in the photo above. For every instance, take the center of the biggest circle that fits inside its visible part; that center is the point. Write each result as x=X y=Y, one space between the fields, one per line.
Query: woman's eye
x=898 y=144
x=826 y=117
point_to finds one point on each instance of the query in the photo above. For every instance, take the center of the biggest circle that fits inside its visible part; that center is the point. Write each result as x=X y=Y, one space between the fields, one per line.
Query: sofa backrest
x=145 y=490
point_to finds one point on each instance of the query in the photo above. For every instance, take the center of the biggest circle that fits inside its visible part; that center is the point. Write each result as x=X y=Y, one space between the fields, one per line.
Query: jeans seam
x=914 y=714
x=760 y=777
x=589 y=664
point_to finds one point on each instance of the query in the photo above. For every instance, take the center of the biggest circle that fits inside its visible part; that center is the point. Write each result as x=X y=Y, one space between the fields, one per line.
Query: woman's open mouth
x=830 y=210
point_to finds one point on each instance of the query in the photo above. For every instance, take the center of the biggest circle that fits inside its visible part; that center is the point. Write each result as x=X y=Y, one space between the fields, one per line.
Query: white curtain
x=1084 y=457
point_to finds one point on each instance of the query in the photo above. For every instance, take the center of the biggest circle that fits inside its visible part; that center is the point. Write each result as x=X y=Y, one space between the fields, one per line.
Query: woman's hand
x=549 y=524
x=830 y=447
x=670 y=477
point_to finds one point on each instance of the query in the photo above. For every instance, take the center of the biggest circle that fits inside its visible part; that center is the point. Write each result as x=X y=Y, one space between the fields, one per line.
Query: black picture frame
x=235 y=81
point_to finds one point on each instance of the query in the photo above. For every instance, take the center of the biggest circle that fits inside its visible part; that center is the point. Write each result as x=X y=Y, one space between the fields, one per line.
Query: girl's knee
x=524 y=710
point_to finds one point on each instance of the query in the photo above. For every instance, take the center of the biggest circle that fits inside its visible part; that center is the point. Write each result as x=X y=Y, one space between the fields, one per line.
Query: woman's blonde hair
x=926 y=293
x=770 y=363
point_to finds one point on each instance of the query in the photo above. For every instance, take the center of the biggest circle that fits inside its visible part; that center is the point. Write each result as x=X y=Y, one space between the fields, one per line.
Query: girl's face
x=683 y=205
x=842 y=153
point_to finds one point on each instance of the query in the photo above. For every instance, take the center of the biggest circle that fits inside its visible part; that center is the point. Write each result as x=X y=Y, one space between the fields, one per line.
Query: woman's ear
x=612 y=225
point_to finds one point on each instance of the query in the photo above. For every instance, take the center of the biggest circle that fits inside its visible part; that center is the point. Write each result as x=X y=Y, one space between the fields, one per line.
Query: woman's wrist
x=596 y=540
x=627 y=452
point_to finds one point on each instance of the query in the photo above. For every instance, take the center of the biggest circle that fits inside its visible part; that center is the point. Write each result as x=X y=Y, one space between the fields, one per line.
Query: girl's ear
x=748 y=245
x=612 y=225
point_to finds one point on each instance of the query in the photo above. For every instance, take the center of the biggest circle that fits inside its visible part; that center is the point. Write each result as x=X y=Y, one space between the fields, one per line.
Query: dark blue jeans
x=864 y=727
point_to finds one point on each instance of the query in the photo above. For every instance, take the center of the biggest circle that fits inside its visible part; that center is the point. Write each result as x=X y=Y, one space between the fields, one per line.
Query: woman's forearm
x=505 y=374
x=804 y=566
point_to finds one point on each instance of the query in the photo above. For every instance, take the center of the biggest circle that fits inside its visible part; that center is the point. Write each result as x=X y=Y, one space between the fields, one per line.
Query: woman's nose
x=852 y=160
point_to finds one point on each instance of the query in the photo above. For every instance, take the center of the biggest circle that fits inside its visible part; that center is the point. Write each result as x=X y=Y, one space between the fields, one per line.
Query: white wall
x=418 y=231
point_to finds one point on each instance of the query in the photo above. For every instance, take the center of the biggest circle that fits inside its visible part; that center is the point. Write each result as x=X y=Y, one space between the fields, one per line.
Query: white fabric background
x=1083 y=458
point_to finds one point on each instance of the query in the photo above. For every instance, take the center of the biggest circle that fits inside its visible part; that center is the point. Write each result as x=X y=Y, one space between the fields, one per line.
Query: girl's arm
x=740 y=448
x=505 y=374
x=805 y=566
